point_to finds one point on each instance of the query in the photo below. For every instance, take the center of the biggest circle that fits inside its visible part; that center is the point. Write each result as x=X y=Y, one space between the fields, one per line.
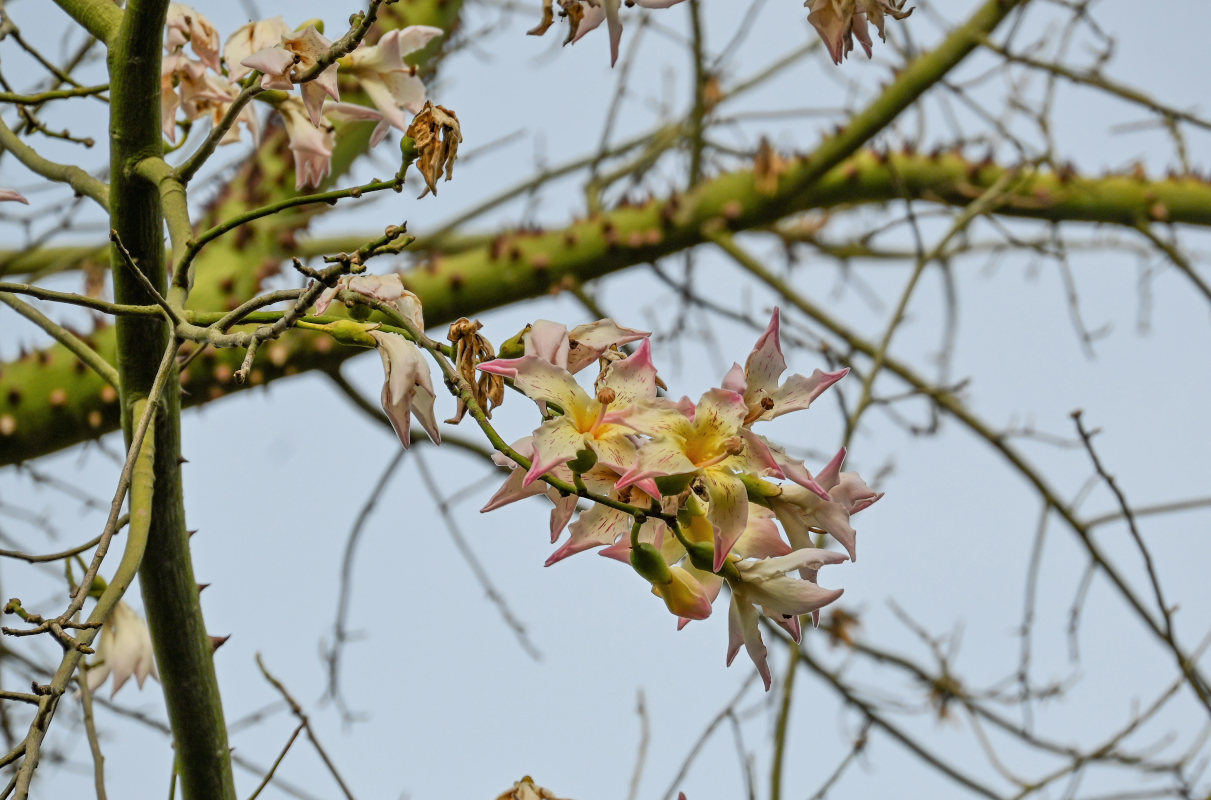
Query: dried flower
x=527 y=789
x=839 y=21
x=437 y=134
x=470 y=350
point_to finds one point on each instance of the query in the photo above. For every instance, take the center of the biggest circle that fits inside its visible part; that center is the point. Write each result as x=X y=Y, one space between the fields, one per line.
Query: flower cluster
x=839 y=21
x=207 y=85
x=687 y=490
x=686 y=493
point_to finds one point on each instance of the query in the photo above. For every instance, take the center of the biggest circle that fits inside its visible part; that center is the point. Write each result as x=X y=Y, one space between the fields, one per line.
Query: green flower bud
x=514 y=347
x=408 y=151
x=585 y=460
x=695 y=505
x=702 y=555
x=348 y=332
x=648 y=562
x=759 y=491
x=674 y=484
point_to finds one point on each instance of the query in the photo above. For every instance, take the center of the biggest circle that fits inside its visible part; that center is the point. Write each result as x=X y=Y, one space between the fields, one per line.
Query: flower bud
x=759 y=491
x=674 y=484
x=695 y=505
x=407 y=150
x=702 y=555
x=585 y=460
x=348 y=332
x=648 y=562
x=683 y=595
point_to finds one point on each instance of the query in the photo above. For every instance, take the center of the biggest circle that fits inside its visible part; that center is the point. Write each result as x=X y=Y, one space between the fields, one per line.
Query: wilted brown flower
x=839 y=21
x=573 y=10
x=527 y=789
x=471 y=349
x=437 y=134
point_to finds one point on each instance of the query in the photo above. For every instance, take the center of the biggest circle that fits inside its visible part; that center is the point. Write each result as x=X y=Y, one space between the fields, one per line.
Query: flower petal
x=743 y=630
x=556 y=441
x=600 y=525
x=542 y=381
x=10 y=195
x=728 y=510
x=657 y=458
x=633 y=379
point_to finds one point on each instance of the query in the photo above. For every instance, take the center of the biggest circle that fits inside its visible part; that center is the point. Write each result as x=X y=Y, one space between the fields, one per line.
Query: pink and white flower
x=767 y=583
x=757 y=381
x=389 y=82
x=248 y=39
x=707 y=445
x=312 y=146
x=299 y=50
x=571 y=350
x=384 y=288
x=800 y=511
x=408 y=389
x=586 y=422
x=185 y=25
x=608 y=11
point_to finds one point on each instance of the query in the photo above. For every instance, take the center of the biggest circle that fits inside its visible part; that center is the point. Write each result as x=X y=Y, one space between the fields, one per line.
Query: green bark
x=170 y=595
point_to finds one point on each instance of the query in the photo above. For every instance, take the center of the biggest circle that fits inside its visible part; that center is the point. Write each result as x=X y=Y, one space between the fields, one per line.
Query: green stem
x=205 y=237
x=73 y=176
x=780 y=728
x=54 y=94
x=170 y=597
x=70 y=298
x=101 y=18
x=913 y=81
x=64 y=337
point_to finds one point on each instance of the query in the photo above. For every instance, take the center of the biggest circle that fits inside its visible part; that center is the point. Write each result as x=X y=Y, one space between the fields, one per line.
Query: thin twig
x=481 y=574
x=298 y=712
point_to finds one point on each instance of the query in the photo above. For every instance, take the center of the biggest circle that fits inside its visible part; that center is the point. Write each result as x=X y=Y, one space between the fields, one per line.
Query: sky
x=449 y=704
